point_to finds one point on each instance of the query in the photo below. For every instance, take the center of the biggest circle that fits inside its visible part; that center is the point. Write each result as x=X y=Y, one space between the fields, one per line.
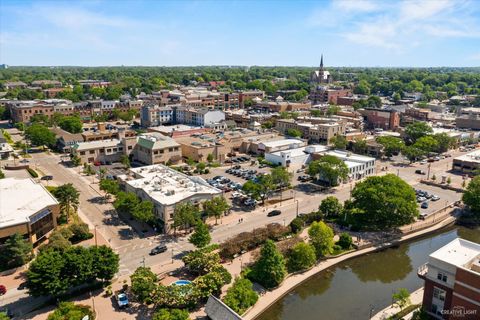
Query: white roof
x=96 y=144
x=20 y=199
x=470 y=157
x=170 y=129
x=168 y=186
x=348 y=156
x=279 y=143
x=314 y=148
x=459 y=252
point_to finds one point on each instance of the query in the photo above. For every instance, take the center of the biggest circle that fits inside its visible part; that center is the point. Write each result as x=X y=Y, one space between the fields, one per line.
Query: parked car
x=46 y=178
x=418 y=171
x=435 y=198
x=274 y=213
x=24 y=161
x=422 y=216
x=424 y=205
x=122 y=300
x=158 y=249
x=421 y=199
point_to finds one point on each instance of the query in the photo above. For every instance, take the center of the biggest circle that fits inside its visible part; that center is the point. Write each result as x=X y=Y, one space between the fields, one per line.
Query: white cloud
x=413 y=23
x=356 y=5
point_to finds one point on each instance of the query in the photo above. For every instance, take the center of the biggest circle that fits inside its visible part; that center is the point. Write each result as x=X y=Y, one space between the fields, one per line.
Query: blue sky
x=292 y=33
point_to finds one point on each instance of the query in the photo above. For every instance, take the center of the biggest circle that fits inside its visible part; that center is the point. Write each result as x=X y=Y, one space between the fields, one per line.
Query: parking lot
x=446 y=197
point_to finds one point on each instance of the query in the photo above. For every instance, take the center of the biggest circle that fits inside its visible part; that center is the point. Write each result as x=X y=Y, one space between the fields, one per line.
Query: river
x=349 y=289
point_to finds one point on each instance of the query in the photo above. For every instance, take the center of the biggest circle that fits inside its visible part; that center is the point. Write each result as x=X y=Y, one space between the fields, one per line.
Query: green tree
x=270 y=269
x=215 y=207
x=384 y=202
x=359 y=146
x=297 y=225
x=426 y=144
x=57 y=241
x=68 y=197
x=444 y=142
x=72 y=124
x=331 y=207
x=185 y=215
x=70 y=311
x=301 y=257
x=143 y=211
x=329 y=168
x=374 y=102
x=15 y=252
x=201 y=237
x=339 y=142
x=294 y=133
x=261 y=189
x=171 y=314
x=45 y=274
x=144 y=284
x=125 y=202
x=417 y=130
x=210 y=158
x=345 y=241
x=2 y=175
x=281 y=177
x=202 y=261
x=109 y=187
x=471 y=197
x=321 y=238
x=39 y=135
x=391 y=145
x=241 y=295
x=76 y=161
x=125 y=161
x=413 y=153
x=401 y=298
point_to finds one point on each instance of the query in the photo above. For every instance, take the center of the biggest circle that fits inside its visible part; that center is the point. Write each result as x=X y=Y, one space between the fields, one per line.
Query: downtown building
x=452 y=281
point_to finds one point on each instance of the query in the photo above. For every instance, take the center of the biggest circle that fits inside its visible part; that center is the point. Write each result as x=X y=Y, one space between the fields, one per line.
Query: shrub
x=345 y=241
x=301 y=257
x=32 y=172
x=241 y=296
x=80 y=232
x=312 y=217
x=71 y=311
x=246 y=241
x=171 y=314
x=297 y=225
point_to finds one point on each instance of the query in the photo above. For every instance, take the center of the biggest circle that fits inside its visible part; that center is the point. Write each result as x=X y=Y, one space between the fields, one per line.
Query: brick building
x=386 y=119
x=452 y=281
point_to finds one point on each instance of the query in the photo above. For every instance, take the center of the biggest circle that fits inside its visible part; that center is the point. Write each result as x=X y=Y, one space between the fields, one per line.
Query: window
x=442 y=277
x=439 y=294
x=82 y=153
x=91 y=151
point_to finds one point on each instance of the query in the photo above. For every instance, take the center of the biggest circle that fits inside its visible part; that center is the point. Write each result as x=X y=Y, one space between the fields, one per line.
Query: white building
x=294 y=157
x=166 y=188
x=154 y=115
x=358 y=166
x=279 y=145
x=108 y=105
x=198 y=117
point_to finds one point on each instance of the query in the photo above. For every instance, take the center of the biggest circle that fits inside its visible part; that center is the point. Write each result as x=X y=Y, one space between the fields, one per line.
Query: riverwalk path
x=416 y=297
x=292 y=281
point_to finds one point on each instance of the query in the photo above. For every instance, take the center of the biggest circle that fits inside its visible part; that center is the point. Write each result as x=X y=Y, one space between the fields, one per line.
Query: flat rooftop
x=170 y=129
x=20 y=199
x=168 y=186
x=348 y=156
x=96 y=144
x=470 y=157
x=282 y=142
x=313 y=148
x=459 y=252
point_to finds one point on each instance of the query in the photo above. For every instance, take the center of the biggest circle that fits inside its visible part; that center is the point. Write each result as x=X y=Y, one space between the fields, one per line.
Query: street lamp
x=172 y=255
x=95 y=228
x=297 y=207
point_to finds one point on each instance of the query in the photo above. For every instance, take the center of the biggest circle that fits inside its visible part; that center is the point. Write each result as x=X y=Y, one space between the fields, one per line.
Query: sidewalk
x=416 y=297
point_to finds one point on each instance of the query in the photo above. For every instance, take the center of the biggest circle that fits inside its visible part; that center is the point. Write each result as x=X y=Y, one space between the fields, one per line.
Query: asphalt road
x=133 y=249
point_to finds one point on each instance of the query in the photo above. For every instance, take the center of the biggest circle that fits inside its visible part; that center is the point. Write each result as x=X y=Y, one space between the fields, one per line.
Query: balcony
x=422 y=270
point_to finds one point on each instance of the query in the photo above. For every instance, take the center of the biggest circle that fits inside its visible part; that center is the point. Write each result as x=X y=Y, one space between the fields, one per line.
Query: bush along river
x=351 y=288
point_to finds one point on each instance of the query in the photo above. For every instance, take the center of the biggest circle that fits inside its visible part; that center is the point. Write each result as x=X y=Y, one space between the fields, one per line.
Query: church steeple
x=321 y=62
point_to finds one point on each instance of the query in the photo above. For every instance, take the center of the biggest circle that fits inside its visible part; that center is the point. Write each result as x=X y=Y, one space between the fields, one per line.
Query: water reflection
x=347 y=290
x=387 y=266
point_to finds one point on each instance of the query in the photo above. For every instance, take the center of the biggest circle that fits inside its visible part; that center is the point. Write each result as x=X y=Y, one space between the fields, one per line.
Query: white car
x=423 y=162
x=435 y=198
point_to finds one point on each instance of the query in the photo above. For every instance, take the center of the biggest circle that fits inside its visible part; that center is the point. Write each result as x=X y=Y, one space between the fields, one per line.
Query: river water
x=350 y=289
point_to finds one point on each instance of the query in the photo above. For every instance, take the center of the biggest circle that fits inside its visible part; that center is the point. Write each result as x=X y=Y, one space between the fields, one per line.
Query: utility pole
x=428 y=173
x=297 y=207
x=96 y=244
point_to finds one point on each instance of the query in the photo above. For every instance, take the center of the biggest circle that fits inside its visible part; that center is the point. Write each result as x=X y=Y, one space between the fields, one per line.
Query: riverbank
x=416 y=297
x=295 y=280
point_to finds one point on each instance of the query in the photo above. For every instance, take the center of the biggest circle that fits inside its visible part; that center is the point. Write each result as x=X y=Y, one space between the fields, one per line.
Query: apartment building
x=249 y=96
x=198 y=117
x=468 y=118
x=23 y=111
x=14 y=85
x=94 y=83
x=358 y=166
x=319 y=132
x=27 y=208
x=101 y=132
x=417 y=113
x=199 y=146
x=386 y=119
x=294 y=157
x=47 y=83
x=104 y=150
x=154 y=115
x=155 y=148
x=166 y=188
x=467 y=163
x=328 y=94
x=452 y=281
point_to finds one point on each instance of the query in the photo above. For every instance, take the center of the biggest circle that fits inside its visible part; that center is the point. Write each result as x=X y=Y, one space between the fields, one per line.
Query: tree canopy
x=328 y=168
x=471 y=197
x=321 y=238
x=384 y=202
x=270 y=269
x=40 y=135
